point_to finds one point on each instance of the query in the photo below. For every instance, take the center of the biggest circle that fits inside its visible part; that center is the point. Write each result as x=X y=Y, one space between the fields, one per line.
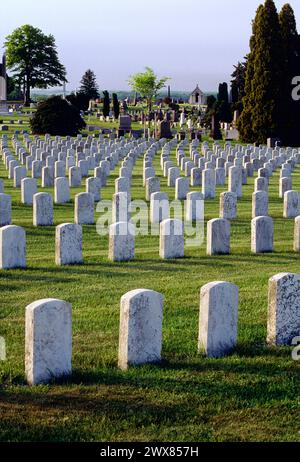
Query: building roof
x=197 y=90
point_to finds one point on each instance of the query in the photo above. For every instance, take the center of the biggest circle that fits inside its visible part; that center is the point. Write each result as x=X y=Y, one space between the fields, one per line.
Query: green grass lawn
x=252 y=395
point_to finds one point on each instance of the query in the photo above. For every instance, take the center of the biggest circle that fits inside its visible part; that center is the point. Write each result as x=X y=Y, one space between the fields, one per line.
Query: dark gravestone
x=125 y=122
x=137 y=133
x=164 y=130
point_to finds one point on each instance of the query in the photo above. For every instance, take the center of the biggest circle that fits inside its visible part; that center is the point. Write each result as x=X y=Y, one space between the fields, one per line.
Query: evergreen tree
x=260 y=118
x=210 y=111
x=106 y=104
x=89 y=86
x=291 y=52
x=238 y=85
x=216 y=133
x=223 y=106
x=245 y=120
x=116 y=105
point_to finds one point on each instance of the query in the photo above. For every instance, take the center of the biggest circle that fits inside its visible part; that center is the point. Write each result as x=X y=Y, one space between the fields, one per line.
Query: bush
x=57 y=117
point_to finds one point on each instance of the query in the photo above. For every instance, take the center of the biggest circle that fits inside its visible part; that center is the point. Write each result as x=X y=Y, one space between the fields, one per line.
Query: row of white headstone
x=122 y=241
x=48 y=326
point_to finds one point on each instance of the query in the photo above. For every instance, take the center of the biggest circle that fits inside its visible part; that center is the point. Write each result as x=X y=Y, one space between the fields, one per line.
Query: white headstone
x=75 y=177
x=218 y=319
x=235 y=181
x=28 y=190
x=284 y=312
x=194 y=206
x=152 y=186
x=291 y=204
x=181 y=188
x=12 y=247
x=159 y=207
x=171 y=239
x=42 y=209
x=297 y=235
x=285 y=184
x=209 y=183
x=48 y=341
x=47 y=177
x=260 y=204
x=5 y=209
x=120 y=207
x=121 y=242
x=93 y=186
x=84 y=209
x=68 y=244
x=61 y=191
x=19 y=174
x=228 y=206
x=140 y=339
x=218 y=237
x=262 y=235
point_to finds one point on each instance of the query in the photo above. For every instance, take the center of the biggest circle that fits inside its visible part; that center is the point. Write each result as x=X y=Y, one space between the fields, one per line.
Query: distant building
x=198 y=97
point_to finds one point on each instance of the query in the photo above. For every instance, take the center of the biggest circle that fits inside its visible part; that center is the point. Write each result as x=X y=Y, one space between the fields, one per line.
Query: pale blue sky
x=192 y=41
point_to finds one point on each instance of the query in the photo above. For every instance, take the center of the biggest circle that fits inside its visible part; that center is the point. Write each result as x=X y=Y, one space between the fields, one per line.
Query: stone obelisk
x=3 y=86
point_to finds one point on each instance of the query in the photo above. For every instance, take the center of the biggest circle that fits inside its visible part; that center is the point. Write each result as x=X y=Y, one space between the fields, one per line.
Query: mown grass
x=252 y=395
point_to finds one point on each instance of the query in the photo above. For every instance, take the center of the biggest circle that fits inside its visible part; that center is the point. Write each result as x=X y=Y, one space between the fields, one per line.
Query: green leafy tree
x=32 y=57
x=89 y=86
x=261 y=117
x=57 y=116
x=116 y=105
x=290 y=111
x=147 y=85
x=106 y=104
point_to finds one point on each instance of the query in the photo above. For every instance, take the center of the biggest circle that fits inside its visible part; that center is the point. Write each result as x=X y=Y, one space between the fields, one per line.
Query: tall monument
x=3 y=86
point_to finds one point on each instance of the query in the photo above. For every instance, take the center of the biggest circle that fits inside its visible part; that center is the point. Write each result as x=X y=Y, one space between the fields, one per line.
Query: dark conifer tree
x=245 y=121
x=223 y=106
x=116 y=105
x=291 y=50
x=89 y=86
x=238 y=85
x=261 y=117
x=106 y=104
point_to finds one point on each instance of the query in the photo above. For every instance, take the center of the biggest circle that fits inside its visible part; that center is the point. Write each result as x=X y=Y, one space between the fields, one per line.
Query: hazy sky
x=192 y=41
